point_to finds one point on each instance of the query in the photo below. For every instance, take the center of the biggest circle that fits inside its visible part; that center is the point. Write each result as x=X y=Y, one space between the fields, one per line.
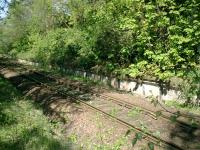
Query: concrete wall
x=145 y=88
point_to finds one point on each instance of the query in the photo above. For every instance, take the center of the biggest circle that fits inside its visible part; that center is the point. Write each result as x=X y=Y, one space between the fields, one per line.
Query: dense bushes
x=157 y=38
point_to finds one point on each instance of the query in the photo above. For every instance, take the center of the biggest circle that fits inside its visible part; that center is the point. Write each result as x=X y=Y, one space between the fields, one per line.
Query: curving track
x=41 y=78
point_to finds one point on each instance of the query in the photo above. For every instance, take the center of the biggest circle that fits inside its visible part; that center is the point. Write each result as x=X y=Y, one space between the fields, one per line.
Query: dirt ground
x=85 y=128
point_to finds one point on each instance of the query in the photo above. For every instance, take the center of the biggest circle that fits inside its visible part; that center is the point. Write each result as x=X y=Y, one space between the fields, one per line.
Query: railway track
x=155 y=115
x=156 y=140
x=129 y=106
x=125 y=103
x=151 y=113
x=148 y=135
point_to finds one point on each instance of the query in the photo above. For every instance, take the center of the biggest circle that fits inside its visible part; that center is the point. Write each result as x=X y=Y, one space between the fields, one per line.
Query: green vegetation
x=134 y=112
x=139 y=137
x=23 y=125
x=114 y=111
x=139 y=38
x=103 y=134
x=182 y=106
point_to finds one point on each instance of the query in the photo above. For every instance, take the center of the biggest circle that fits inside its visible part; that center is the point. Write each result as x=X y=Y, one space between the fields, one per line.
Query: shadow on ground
x=52 y=103
x=17 y=132
x=58 y=107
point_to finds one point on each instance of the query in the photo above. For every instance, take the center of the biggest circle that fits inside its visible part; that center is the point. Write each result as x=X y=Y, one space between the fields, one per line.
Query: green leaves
x=138 y=136
x=158 y=113
x=134 y=141
x=128 y=132
x=151 y=146
x=159 y=39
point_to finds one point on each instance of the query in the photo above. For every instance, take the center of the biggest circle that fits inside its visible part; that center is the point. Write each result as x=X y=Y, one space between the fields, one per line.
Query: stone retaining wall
x=144 y=88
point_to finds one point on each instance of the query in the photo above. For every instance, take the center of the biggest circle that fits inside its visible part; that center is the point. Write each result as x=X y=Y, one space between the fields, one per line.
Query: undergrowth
x=23 y=126
x=189 y=108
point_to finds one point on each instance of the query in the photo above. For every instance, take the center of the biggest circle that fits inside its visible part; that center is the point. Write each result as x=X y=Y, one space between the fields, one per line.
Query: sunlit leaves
x=135 y=37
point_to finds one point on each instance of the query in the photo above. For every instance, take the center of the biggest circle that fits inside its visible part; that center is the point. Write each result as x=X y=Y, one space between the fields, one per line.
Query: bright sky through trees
x=4 y=8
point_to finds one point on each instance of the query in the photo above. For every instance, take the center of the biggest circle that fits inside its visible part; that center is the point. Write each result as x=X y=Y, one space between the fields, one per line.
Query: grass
x=181 y=106
x=23 y=126
x=103 y=136
x=114 y=111
x=134 y=112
